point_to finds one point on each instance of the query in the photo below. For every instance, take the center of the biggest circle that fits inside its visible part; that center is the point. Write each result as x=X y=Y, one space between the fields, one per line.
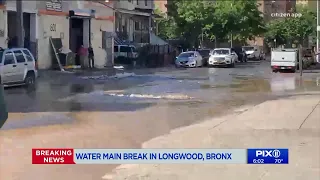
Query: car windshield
x=220 y=51
x=248 y=48
x=186 y=55
x=204 y=52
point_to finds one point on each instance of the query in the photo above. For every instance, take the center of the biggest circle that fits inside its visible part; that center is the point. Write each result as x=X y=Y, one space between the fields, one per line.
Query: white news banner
x=159 y=156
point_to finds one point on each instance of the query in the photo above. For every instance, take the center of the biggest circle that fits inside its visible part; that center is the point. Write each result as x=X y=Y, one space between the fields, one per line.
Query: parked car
x=17 y=67
x=223 y=57
x=125 y=51
x=242 y=57
x=189 y=59
x=253 y=53
x=205 y=53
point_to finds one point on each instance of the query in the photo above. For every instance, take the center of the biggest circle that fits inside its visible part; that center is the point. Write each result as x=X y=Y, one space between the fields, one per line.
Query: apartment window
x=136 y=25
x=146 y=2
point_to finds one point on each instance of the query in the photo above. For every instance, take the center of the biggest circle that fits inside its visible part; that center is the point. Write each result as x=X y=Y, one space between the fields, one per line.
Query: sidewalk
x=292 y=123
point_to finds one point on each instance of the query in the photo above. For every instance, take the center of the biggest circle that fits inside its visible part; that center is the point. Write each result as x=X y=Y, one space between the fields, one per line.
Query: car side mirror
x=3 y=108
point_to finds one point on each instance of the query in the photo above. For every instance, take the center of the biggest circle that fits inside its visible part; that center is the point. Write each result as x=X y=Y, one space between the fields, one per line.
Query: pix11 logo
x=268 y=153
x=268 y=156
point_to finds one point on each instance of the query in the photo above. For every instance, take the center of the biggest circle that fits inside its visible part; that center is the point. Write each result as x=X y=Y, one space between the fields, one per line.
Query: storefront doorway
x=76 y=36
x=79 y=35
x=29 y=27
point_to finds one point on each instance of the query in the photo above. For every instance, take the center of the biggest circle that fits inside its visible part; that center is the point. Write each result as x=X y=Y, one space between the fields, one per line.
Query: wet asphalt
x=122 y=109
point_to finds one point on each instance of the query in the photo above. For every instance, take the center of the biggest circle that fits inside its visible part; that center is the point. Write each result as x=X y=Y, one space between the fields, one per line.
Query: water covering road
x=126 y=109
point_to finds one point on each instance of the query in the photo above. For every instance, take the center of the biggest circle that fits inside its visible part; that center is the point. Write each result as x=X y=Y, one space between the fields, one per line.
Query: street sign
x=318 y=28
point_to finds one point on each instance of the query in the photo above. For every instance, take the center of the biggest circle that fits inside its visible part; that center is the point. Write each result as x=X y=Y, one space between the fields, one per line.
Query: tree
x=241 y=18
x=215 y=19
x=166 y=26
x=292 y=29
x=196 y=18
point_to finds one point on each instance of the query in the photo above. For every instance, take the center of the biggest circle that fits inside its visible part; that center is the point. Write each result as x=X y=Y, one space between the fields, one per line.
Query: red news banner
x=52 y=156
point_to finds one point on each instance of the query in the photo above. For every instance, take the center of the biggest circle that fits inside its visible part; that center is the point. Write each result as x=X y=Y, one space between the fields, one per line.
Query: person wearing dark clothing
x=91 y=57
x=26 y=43
x=13 y=42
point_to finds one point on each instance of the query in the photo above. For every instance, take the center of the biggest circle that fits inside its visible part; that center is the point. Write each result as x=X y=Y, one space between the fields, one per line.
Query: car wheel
x=30 y=80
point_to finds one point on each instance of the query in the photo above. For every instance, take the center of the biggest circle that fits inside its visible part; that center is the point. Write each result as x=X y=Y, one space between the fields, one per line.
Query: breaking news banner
x=268 y=156
x=139 y=156
x=159 y=156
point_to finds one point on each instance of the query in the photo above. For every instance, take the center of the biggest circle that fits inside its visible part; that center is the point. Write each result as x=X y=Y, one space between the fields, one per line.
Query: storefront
x=102 y=31
x=52 y=21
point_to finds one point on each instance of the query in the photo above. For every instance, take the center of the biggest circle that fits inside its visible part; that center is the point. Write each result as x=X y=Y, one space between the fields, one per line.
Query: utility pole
x=300 y=60
x=20 y=29
x=231 y=44
x=318 y=29
x=202 y=38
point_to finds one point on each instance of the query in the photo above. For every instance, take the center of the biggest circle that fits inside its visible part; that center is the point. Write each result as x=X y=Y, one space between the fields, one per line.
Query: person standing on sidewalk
x=91 y=56
x=83 y=54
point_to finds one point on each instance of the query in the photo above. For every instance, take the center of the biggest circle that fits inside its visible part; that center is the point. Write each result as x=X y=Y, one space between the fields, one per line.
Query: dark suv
x=242 y=57
x=205 y=53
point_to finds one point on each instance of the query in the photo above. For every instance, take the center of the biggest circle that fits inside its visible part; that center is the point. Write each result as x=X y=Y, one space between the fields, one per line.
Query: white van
x=284 y=59
x=125 y=51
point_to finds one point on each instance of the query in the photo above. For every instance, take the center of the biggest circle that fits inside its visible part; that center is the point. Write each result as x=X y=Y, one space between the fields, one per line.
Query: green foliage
x=241 y=18
x=215 y=19
x=292 y=29
x=166 y=26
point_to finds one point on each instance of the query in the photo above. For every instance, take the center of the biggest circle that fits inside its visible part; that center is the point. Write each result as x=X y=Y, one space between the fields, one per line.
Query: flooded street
x=124 y=110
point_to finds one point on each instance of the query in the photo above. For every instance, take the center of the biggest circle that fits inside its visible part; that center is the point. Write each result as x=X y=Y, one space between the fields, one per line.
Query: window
x=186 y=54
x=220 y=51
x=125 y=49
x=9 y=59
x=137 y=2
x=146 y=2
x=28 y=55
x=115 y=49
x=129 y=0
x=19 y=56
x=136 y=25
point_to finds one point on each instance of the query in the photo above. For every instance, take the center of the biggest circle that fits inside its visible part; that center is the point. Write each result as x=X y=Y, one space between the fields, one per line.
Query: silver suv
x=17 y=67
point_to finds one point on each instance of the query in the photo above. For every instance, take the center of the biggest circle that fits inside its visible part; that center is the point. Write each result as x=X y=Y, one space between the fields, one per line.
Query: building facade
x=311 y=4
x=70 y=23
x=133 y=21
x=269 y=9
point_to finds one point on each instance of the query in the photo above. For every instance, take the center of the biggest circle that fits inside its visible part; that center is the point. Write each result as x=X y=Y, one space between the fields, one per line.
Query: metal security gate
x=107 y=45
